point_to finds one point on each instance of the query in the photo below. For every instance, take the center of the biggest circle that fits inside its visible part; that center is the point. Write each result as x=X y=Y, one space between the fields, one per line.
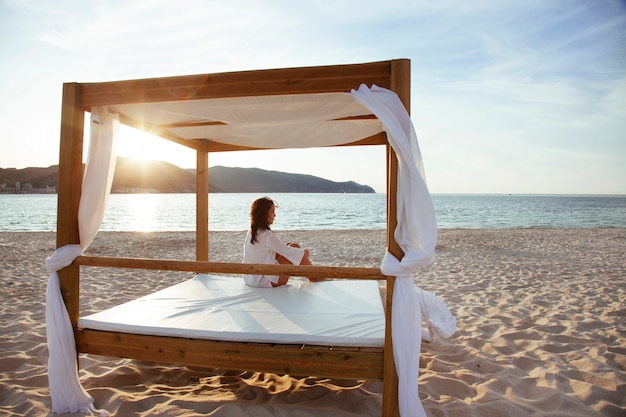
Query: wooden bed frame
x=350 y=363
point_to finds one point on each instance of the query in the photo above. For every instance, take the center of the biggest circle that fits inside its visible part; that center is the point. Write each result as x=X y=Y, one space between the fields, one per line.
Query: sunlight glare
x=143 y=209
x=140 y=145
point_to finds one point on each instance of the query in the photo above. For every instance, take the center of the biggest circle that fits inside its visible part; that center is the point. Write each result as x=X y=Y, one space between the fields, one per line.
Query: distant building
x=6 y=190
x=26 y=189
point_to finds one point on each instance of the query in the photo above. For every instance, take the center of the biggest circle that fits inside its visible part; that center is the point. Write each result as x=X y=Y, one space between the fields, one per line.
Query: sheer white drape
x=416 y=233
x=66 y=391
x=276 y=121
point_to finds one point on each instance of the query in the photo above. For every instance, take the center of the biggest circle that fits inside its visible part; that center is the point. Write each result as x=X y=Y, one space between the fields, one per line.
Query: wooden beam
x=297 y=360
x=200 y=123
x=401 y=81
x=392 y=202
x=390 y=380
x=377 y=139
x=323 y=79
x=70 y=179
x=232 y=267
x=401 y=85
x=202 y=205
x=191 y=124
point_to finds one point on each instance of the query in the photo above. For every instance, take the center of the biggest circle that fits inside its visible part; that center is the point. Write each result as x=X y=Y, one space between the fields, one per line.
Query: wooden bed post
x=70 y=179
x=401 y=85
x=202 y=205
x=390 y=376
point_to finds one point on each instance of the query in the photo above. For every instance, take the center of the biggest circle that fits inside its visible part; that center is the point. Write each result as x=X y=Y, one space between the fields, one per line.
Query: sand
x=541 y=329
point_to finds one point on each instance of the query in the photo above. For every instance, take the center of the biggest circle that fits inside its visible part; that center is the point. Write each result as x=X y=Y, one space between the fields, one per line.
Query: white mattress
x=330 y=313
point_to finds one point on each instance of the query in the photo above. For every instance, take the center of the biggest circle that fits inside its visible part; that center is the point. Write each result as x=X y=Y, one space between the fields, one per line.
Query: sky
x=508 y=96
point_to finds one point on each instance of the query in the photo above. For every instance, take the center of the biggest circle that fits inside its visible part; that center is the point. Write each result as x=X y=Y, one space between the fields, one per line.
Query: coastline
x=540 y=313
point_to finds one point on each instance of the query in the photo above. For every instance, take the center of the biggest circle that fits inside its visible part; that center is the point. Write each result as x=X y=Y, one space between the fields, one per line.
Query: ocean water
x=176 y=212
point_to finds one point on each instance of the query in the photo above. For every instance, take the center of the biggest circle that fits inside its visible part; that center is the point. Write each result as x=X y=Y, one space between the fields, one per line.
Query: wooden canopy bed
x=338 y=362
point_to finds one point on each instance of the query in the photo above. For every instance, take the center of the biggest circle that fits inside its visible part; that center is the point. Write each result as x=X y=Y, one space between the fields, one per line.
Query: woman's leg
x=306 y=261
x=282 y=280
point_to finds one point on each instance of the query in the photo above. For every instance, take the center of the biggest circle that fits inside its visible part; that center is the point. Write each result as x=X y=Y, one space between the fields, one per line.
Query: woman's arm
x=293 y=253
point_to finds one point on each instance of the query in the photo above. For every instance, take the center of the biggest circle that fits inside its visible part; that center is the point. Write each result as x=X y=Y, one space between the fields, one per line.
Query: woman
x=262 y=246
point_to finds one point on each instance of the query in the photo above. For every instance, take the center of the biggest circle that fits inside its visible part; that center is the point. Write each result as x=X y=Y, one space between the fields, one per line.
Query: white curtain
x=276 y=121
x=416 y=233
x=66 y=391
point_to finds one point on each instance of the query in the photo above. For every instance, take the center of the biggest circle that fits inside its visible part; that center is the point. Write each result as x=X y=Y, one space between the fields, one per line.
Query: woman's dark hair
x=258 y=215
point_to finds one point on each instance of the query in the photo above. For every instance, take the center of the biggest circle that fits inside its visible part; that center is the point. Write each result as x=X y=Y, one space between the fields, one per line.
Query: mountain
x=157 y=176
x=133 y=175
x=255 y=180
x=37 y=177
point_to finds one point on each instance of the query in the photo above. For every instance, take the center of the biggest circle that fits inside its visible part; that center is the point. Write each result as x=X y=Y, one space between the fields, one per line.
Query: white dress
x=264 y=251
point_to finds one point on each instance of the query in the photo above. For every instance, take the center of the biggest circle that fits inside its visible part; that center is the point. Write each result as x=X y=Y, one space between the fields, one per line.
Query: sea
x=230 y=212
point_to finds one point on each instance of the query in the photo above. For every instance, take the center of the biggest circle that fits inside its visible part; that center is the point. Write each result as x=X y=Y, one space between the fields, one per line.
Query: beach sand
x=541 y=328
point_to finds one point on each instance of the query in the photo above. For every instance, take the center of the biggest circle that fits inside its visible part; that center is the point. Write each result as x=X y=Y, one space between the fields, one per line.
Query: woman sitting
x=262 y=246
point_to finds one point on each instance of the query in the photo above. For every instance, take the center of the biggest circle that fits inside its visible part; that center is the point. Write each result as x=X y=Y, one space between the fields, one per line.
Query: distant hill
x=156 y=176
x=132 y=175
x=37 y=177
x=255 y=180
